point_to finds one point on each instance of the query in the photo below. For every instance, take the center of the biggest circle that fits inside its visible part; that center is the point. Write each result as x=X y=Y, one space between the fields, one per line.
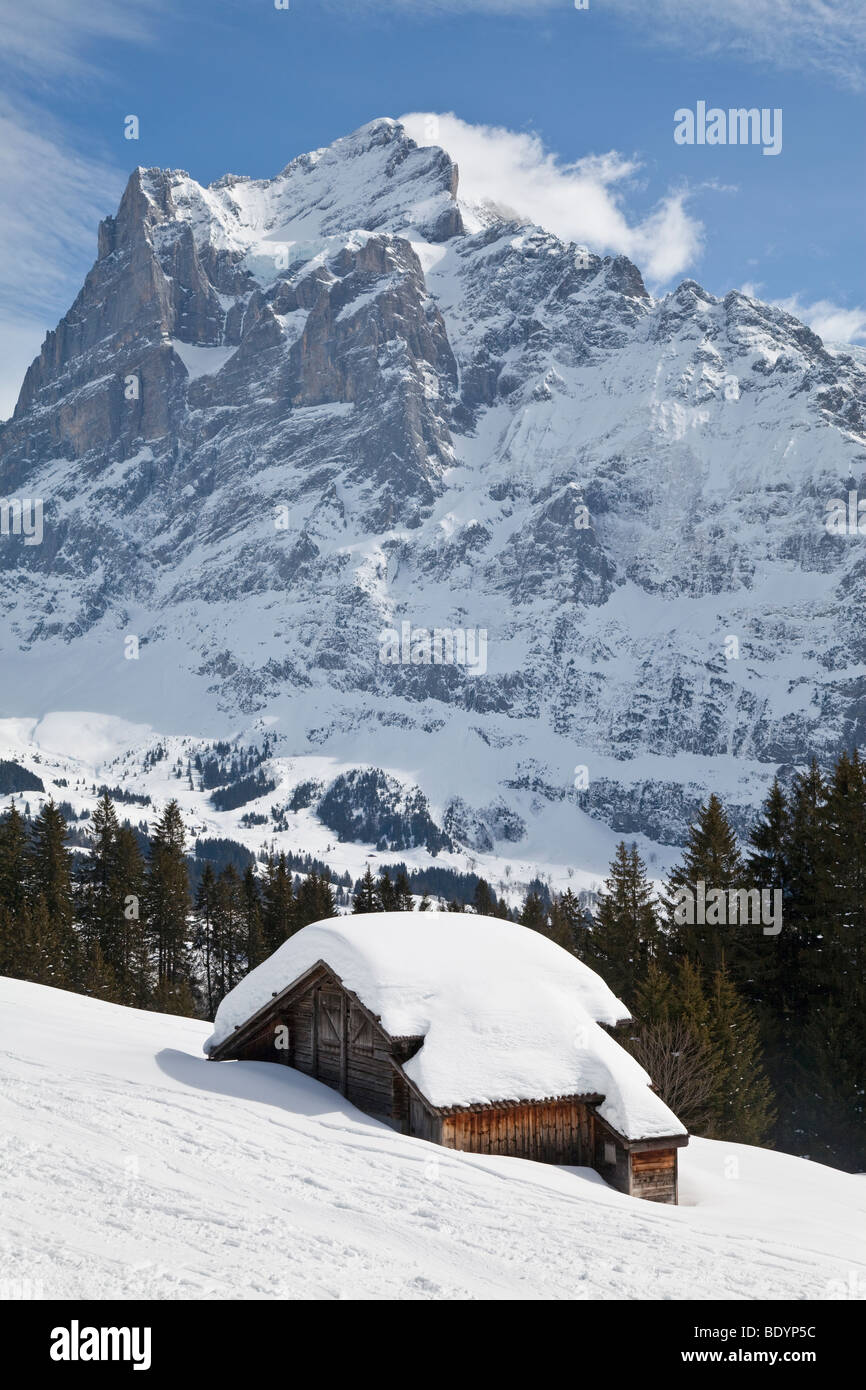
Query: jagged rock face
x=284 y=415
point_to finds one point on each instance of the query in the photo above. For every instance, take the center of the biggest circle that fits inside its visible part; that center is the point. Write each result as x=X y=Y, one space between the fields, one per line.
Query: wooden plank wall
x=426 y=1126
x=549 y=1132
x=654 y=1175
x=330 y=1006
x=370 y=1075
x=332 y=1039
x=301 y=1028
x=618 y=1173
x=262 y=1046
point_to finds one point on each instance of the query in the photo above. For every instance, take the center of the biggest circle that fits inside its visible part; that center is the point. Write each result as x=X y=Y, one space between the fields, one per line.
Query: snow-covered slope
x=286 y=415
x=132 y=1167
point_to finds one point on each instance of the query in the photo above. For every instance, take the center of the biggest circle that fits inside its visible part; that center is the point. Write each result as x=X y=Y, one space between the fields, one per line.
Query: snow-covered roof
x=505 y=1014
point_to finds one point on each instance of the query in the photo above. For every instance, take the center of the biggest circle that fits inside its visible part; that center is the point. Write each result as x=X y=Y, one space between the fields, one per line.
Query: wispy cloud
x=832 y=322
x=582 y=202
x=53 y=199
x=51 y=38
x=821 y=36
x=53 y=195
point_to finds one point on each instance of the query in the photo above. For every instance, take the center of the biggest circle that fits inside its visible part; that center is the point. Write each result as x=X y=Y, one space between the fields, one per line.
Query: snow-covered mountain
x=133 y=1168
x=285 y=416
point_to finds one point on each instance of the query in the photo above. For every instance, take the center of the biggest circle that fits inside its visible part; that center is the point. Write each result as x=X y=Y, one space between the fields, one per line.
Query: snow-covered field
x=131 y=1167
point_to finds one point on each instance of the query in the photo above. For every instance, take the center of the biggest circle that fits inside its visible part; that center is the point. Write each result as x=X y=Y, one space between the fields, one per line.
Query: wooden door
x=331 y=1035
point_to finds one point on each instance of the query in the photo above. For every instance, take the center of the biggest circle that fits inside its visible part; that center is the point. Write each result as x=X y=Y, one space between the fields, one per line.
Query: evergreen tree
x=743 y=1109
x=558 y=928
x=403 y=893
x=168 y=906
x=96 y=879
x=799 y=981
x=48 y=877
x=367 y=897
x=327 y=901
x=229 y=932
x=829 y=1086
x=13 y=870
x=255 y=949
x=484 y=900
x=174 y=997
x=42 y=948
x=386 y=893
x=689 y=1000
x=10 y=940
x=203 y=937
x=625 y=936
x=767 y=863
x=834 y=1038
x=109 y=890
x=13 y=860
x=810 y=875
x=654 y=997
x=534 y=913
x=315 y=900
x=712 y=858
x=569 y=925
x=278 y=904
x=98 y=979
x=129 y=946
x=845 y=817
x=767 y=870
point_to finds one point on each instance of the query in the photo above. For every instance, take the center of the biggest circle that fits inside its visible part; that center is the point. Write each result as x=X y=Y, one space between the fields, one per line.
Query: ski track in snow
x=133 y=1168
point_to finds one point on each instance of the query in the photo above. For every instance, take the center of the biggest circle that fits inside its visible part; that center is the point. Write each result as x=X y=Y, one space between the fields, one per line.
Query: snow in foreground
x=131 y=1167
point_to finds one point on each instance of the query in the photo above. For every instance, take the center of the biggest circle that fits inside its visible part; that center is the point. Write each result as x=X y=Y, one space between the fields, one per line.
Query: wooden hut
x=361 y=1015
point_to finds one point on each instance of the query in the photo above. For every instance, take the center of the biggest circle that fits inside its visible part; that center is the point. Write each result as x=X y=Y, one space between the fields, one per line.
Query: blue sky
x=566 y=115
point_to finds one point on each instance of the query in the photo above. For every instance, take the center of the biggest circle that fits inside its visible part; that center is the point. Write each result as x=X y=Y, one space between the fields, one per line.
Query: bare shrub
x=682 y=1068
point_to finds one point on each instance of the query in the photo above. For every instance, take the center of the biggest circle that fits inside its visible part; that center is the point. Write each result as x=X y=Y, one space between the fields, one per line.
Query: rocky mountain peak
x=285 y=414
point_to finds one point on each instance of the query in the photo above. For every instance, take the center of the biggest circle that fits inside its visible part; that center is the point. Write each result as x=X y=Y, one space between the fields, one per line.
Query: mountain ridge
x=355 y=401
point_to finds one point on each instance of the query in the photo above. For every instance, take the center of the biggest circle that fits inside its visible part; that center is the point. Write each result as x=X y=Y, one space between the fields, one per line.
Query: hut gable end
x=322 y=1028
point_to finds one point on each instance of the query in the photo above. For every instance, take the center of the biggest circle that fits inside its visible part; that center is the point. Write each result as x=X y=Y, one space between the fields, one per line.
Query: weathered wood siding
x=610 y=1158
x=423 y=1123
x=547 y=1131
x=261 y=1046
x=301 y=1021
x=331 y=1038
x=371 y=1076
x=654 y=1175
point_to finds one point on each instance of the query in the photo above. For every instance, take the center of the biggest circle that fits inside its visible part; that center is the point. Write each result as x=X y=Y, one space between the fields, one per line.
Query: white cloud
x=52 y=201
x=45 y=37
x=824 y=36
x=53 y=196
x=580 y=202
x=832 y=322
